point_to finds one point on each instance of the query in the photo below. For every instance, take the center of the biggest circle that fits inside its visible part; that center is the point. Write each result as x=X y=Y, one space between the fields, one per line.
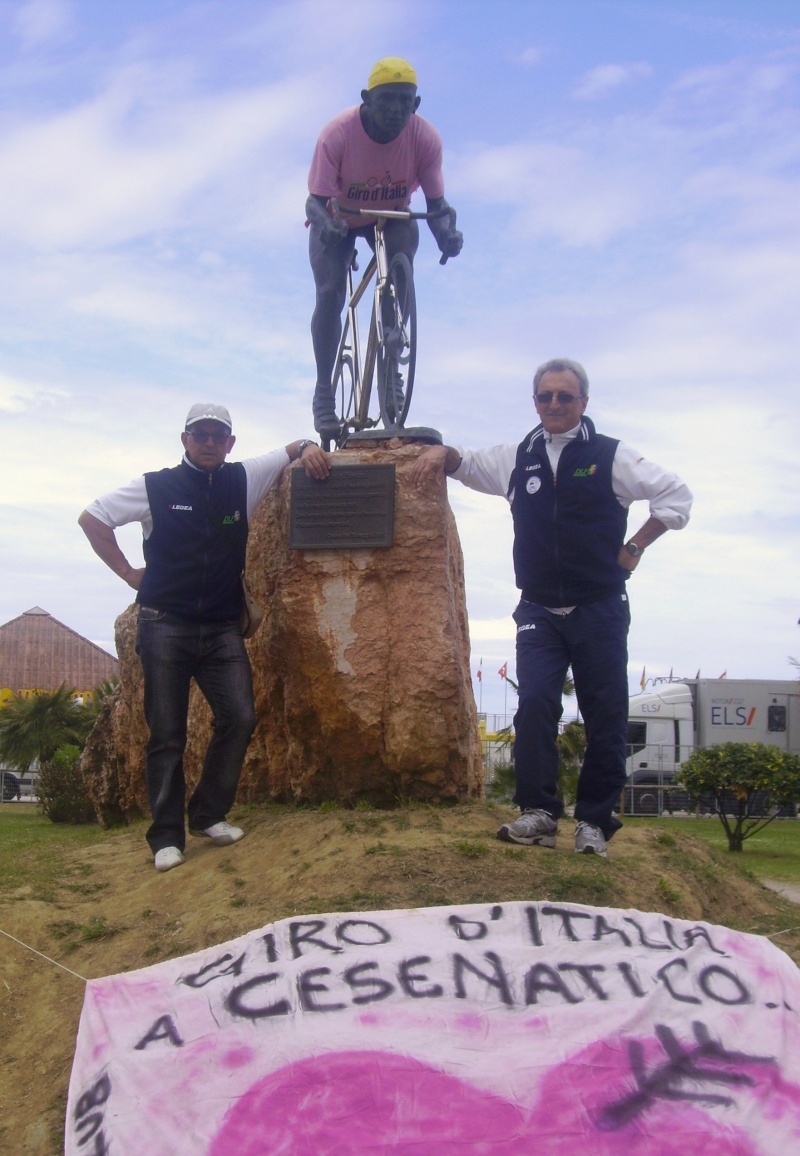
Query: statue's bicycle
x=389 y=354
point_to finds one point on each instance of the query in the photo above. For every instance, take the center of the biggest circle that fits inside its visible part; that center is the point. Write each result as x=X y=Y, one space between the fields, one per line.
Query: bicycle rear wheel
x=397 y=352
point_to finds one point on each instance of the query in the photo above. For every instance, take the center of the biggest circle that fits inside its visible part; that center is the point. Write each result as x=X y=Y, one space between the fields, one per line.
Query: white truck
x=666 y=724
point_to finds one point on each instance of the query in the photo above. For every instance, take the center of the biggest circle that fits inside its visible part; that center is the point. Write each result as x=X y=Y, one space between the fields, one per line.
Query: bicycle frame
x=354 y=410
x=350 y=345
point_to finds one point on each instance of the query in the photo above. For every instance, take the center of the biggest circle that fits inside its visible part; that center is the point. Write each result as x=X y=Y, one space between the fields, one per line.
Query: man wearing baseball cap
x=370 y=156
x=195 y=520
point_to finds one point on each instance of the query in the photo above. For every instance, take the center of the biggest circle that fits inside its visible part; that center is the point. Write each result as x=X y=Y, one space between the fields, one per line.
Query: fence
x=650 y=788
x=17 y=788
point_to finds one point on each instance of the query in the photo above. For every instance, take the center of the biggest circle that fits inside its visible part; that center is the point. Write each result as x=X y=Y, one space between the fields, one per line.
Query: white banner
x=521 y=1027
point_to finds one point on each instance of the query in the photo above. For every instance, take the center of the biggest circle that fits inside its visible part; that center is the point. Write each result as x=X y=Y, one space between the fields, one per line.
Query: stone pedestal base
x=362 y=669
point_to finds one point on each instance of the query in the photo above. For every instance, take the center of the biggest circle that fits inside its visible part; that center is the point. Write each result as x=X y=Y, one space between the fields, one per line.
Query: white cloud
x=491 y=629
x=606 y=77
x=559 y=191
x=530 y=56
x=38 y=21
x=136 y=306
x=17 y=395
x=123 y=165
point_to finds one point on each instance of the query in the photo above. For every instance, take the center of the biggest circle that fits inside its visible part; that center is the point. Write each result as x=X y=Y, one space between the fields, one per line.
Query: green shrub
x=62 y=794
x=730 y=776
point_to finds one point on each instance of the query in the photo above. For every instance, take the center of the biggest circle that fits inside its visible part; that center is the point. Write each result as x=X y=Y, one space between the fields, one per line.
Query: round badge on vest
x=533 y=484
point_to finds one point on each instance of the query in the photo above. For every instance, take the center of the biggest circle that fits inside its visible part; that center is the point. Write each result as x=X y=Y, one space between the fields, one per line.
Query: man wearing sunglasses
x=195 y=520
x=572 y=558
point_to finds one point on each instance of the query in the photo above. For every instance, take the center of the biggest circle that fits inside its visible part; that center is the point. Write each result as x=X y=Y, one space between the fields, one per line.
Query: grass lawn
x=31 y=848
x=772 y=853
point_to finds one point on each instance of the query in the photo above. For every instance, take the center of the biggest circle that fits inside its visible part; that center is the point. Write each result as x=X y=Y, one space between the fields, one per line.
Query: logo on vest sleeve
x=232 y=519
x=533 y=484
x=586 y=472
x=175 y=506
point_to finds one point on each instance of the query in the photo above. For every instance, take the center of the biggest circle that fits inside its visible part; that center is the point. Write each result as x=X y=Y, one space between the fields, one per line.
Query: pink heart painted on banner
x=381 y=1103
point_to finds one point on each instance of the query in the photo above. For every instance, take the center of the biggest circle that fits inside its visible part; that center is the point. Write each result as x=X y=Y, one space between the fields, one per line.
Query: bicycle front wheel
x=352 y=383
x=397 y=350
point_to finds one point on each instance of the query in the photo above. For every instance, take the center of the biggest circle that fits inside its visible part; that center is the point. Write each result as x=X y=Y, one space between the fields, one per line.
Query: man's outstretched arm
x=487 y=471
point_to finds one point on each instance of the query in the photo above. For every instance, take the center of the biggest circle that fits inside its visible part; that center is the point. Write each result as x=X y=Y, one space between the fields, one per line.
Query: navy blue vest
x=195 y=555
x=568 y=530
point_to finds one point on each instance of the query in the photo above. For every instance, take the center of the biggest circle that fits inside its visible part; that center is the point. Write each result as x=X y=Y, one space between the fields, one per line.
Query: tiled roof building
x=37 y=652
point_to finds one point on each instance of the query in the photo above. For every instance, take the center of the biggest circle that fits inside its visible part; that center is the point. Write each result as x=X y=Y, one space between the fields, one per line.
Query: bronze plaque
x=352 y=509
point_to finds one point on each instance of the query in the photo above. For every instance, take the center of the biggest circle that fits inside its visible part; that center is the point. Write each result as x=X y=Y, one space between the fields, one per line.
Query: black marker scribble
x=696 y=1065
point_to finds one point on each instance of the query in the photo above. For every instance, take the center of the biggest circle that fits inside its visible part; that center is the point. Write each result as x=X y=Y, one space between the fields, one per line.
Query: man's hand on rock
x=316 y=462
x=429 y=466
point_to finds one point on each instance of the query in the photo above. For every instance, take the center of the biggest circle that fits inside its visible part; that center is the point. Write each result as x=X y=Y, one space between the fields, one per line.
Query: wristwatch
x=302 y=445
x=633 y=549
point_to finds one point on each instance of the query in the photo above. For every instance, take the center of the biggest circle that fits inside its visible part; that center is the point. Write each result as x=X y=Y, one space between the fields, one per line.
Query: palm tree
x=32 y=729
x=93 y=704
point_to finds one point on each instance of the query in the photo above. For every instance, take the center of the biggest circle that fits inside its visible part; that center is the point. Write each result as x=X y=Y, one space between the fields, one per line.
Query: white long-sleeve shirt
x=130 y=503
x=633 y=478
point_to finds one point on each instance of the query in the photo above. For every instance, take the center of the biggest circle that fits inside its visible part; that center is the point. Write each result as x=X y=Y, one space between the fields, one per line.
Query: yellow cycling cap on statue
x=391 y=70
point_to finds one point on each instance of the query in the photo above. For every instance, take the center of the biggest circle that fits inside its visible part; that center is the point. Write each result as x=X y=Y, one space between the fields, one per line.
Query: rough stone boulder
x=360 y=668
x=113 y=759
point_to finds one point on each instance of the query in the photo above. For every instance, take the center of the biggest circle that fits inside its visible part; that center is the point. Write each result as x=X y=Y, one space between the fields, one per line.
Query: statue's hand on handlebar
x=450 y=243
x=449 y=239
x=333 y=231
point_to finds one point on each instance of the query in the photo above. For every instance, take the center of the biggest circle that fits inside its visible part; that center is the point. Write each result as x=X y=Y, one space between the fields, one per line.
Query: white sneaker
x=222 y=833
x=168 y=857
x=590 y=840
x=532 y=827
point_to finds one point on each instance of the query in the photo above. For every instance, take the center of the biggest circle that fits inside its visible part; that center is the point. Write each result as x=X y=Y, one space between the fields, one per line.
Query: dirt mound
x=108 y=911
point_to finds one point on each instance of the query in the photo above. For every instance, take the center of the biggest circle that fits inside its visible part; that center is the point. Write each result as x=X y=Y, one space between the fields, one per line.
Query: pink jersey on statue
x=363 y=174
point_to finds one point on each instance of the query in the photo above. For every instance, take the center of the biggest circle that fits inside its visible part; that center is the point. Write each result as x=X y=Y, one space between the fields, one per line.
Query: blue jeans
x=593 y=640
x=173 y=651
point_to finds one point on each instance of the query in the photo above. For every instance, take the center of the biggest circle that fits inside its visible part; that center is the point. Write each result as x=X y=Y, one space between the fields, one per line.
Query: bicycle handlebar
x=393 y=215
x=398 y=214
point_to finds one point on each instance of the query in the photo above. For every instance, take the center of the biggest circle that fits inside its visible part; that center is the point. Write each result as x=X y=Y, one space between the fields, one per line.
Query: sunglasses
x=218 y=439
x=563 y=398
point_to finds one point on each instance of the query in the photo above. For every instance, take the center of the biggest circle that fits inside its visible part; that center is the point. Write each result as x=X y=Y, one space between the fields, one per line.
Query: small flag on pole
x=643 y=679
x=724 y=674
x=503 y=671
x=480 y=675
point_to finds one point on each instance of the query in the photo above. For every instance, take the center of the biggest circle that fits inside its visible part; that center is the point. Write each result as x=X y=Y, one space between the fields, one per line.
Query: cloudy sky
x=626 y=177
